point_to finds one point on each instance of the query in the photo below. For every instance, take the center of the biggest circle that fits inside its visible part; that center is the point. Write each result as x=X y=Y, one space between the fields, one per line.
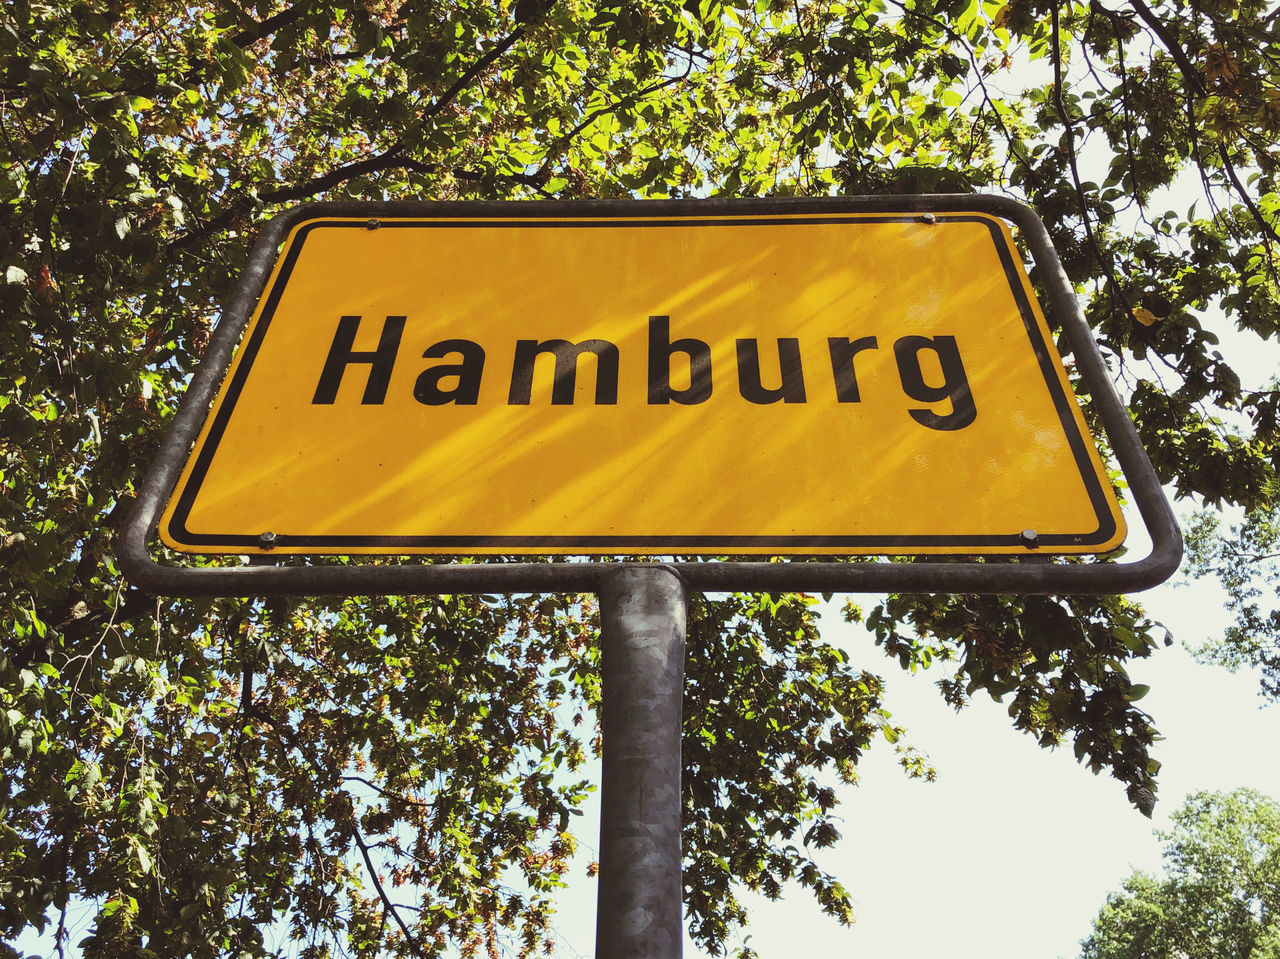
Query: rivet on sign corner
x=930 y=218
x=373 y=223
x=1029 y=538
x=267 y=540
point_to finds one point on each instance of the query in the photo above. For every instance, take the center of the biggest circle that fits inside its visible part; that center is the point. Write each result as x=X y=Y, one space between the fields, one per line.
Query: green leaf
x=1137 y=691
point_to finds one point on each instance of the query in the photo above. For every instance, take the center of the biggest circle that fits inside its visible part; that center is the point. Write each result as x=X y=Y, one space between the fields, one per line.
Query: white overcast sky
x=1011 y=852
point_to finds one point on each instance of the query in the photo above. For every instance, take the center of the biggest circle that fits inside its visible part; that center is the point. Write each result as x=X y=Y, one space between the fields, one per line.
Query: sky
x=1011 y=852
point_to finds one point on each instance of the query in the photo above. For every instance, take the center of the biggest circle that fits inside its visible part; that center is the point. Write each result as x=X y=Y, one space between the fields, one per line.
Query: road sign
x=716 y=342
x=787 y=383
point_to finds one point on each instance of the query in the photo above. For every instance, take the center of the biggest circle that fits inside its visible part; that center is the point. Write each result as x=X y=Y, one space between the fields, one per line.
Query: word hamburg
x=459 y=382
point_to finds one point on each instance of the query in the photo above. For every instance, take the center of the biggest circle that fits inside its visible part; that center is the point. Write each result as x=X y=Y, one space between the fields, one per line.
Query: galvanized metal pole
x=643 y=619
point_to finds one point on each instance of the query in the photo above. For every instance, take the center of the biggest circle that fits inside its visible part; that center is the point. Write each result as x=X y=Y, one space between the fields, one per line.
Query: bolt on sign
x=815 y=381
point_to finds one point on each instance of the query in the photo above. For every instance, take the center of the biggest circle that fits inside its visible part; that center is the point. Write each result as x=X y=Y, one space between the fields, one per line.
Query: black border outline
x=1046 y=355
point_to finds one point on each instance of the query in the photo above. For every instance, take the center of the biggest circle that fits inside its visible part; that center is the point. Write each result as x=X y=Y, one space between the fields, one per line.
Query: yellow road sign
x=767 y=384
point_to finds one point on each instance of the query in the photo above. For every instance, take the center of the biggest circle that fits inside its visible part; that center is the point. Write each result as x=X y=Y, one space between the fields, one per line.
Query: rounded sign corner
x=170 y=541
x=1113 y=534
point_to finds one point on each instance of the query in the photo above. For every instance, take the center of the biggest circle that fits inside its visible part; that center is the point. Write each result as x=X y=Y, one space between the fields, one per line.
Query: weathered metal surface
x=643 y=614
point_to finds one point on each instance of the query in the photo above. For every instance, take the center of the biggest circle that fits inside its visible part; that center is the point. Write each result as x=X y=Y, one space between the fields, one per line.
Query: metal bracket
x=994 y=575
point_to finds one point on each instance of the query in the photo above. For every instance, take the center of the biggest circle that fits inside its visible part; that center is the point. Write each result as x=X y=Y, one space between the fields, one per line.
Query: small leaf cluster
x=774 y=719
x=1243 y=558
x=1061 y=661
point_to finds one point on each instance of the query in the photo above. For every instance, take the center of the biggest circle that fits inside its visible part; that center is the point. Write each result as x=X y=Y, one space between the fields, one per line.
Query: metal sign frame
x=1032 y=573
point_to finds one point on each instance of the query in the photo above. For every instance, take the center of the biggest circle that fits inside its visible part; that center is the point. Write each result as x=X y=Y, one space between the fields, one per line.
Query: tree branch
x=1171 y=44
x=61 y=618
x=1194 y=80
x=387 y=904
x=348 y=171
x=473 y=71
x=626 y=101
x=390 y=158
x=385 y=793
x=1243 y=193
x=1069 y=129
x=262 y=29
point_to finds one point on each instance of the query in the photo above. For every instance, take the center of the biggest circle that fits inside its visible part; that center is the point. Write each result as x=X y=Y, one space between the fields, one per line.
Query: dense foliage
x=1220 y=895
x=396 y=775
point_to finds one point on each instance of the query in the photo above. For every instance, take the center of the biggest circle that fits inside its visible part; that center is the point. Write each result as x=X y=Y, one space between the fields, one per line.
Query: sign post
x=811 y=379
x=642 y=632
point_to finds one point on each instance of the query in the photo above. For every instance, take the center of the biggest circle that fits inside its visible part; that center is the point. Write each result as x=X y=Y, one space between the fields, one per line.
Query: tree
x=1220 y=896
x=392 y=775
x=1243 y=558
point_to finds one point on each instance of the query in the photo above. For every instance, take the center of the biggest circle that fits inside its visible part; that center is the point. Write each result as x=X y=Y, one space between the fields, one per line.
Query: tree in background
x=398 y=776
x=1245 y=559
x=1220 y=896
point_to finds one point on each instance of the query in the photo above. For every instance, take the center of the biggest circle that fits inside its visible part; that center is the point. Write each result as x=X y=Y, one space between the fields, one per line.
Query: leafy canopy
x=393 y=776
x=1219 y=897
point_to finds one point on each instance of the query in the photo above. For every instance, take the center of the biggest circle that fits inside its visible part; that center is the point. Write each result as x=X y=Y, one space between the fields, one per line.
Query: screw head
x=267 y=540
x=1029 y=538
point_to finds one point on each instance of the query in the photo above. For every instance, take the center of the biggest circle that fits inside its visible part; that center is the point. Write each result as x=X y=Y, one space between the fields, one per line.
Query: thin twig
x=385 y=792
x=387 y=904
x=1118 y=297
x=391 y=158
x=1196 y=82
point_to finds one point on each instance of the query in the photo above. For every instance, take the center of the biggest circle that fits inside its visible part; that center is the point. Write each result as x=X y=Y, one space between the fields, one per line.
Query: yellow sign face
x=763 y=384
